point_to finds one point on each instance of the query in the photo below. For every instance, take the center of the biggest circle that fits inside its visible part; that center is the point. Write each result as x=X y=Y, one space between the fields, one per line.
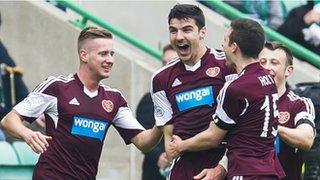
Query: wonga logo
x=194 y=98
x=89 y=127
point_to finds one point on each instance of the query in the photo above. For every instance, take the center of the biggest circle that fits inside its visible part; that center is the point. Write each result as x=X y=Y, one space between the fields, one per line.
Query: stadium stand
x=7 y=155
x=25 y=154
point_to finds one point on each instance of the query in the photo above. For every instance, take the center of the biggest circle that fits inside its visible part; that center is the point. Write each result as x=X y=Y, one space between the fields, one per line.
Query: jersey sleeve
x=305 y=112
x=231 y=105
x=40 y=100
x=162 y=106
x=125 y=123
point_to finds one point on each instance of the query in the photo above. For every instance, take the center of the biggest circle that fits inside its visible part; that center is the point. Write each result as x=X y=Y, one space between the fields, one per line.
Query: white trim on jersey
x=38 y=103
x=237 y=178
x=108 y=88
x=42 y=86
x=194 y=67
x=304 y=115
x=309 y=114
x=231 y=77
x=245 y=109
x=172 y=62
x=162 y=108
x=89 y=93
x=125 y=119
x=218 y=55
x=220 y=112
x=174 y=162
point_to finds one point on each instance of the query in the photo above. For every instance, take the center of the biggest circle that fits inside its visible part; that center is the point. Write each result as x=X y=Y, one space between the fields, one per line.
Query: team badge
x=107 y=105
x=159 y=111
x=284 y=117
x=213 y=71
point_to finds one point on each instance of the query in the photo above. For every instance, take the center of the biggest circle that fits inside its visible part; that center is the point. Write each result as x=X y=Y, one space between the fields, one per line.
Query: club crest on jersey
x=284 y=117
x=89 y=127
x=158 y=111
x=107 y=105
x=195 y=98
x=213 y=71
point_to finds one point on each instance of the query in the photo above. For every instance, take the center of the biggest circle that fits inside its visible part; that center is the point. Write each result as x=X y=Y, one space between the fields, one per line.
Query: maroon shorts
x=191 y=164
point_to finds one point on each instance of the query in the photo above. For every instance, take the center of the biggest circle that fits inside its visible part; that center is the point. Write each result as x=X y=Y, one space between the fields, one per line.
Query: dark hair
x=249 y=36
x=92 y=33
x=186 y=11
x=276 y=45
x=166 y=48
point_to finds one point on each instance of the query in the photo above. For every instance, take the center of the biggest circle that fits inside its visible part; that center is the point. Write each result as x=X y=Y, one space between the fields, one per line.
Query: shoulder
x=298 y=101
x=112 y=91
x=217 y=54
x=230 y=88
x=218 y=58
x=53 y=80
x=162 y=72
x=161 y=77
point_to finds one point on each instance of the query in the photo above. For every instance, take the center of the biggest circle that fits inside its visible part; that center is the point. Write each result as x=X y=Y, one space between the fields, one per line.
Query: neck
x=241 y=63
x=202 y=51
x=88 y=81
x=281 y=89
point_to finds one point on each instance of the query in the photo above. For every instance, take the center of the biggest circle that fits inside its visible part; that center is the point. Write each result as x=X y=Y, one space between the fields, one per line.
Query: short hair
x=92 y=33
x=249 y=36
x=167 y=47
x=276 y=45
x=186 y=11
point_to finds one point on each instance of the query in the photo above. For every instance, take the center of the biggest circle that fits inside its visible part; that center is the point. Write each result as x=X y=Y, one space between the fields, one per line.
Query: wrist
x=183 y=146
x=280 y=130
x=24 y=133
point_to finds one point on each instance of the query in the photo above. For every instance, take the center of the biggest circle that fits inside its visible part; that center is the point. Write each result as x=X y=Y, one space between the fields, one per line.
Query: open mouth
x=183 y=49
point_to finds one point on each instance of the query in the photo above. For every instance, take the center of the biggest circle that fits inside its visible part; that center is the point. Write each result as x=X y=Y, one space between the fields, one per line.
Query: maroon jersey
x=294 y=110
x=77 y=120
x=247 y=108
x=186 y=97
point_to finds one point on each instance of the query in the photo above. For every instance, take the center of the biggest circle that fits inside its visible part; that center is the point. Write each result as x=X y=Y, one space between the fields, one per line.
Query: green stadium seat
x=25 y=154
x=7 y=155
x=16 y=172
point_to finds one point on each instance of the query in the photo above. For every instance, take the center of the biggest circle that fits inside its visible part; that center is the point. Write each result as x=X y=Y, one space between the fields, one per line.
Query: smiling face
x=276 y=62
x=186 y=38
x=97 y=55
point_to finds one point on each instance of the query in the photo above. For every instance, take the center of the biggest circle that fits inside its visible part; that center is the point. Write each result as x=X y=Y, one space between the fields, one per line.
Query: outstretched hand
x=37 y=141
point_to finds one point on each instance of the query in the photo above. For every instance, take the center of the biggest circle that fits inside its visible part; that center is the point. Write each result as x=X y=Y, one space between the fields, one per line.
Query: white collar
x=194 y=67
x=90 y=94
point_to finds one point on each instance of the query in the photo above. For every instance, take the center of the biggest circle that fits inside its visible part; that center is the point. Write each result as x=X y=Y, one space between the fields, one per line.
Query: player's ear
x=203 y=32
x=234 y=47
x=83 y=55
x=289 y=71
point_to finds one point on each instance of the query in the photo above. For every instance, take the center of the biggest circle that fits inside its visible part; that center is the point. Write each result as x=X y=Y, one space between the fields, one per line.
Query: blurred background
x=41 y=36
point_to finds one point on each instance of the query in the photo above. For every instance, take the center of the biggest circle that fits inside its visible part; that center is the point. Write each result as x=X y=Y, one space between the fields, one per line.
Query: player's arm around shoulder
x=12 y=122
